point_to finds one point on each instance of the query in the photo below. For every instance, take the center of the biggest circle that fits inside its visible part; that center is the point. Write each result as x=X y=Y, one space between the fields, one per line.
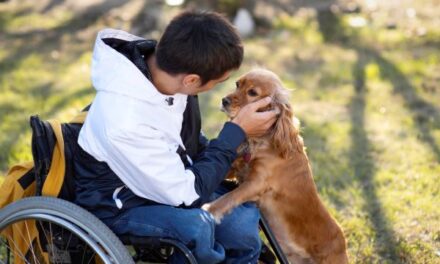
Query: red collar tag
x=247 y=157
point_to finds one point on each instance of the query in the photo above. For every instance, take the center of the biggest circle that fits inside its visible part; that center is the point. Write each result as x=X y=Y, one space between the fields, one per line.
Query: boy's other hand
x=255 y=123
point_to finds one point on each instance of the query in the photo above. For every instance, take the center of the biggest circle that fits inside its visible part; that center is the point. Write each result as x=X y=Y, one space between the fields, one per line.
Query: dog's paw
x=214 y=213
x=206 y=207
x=217 y=218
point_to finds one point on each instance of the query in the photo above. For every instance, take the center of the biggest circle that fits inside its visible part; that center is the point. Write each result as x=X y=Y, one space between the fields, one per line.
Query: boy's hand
x=255 y=123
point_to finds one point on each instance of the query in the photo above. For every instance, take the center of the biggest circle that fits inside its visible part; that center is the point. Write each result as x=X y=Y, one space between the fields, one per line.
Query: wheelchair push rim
x=67 y=234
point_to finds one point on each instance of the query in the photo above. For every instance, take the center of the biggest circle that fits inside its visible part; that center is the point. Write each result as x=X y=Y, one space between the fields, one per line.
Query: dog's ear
x=285 y=134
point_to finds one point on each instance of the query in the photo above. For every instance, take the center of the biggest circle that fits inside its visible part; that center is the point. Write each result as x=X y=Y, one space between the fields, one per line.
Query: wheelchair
x=67 y=233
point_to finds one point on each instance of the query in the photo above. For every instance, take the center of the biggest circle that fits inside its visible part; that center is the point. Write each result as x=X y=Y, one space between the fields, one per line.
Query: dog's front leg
x=249 y=190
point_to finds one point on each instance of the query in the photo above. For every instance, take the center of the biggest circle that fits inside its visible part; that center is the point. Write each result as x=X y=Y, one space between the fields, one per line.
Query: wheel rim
x=60 y=236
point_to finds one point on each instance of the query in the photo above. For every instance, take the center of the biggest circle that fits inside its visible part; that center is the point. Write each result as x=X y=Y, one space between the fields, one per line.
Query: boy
x=144 y=167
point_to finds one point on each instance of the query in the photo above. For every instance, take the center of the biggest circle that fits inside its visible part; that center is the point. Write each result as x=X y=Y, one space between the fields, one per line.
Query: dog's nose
x=226 y=101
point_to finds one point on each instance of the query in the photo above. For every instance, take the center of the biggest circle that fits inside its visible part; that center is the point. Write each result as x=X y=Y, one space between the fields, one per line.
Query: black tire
x=67 y=216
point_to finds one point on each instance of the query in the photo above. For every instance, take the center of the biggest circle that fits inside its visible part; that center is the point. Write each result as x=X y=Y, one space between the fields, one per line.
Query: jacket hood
x=113 y=72
x=125 y=97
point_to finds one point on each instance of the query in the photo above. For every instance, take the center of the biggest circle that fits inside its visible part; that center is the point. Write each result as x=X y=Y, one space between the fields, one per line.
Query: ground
x=365 y=84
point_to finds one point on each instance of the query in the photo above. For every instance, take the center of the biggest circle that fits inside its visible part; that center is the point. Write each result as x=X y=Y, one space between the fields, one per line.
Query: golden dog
x=274 y=171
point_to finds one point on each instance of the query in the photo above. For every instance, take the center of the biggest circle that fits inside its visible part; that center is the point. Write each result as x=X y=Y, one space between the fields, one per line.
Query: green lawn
x=368 y=98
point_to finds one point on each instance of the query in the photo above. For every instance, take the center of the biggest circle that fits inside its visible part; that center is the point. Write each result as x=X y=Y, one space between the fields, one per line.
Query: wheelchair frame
x=41 y=150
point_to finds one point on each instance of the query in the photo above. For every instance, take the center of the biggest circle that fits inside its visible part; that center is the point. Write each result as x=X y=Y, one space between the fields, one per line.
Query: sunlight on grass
x=31 y=21
x=36 y=21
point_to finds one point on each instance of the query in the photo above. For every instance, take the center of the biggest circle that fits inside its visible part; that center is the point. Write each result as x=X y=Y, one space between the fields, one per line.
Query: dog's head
x=258 y=84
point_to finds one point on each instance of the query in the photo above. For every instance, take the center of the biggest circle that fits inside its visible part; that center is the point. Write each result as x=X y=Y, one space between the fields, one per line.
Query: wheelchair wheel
x=67 y=234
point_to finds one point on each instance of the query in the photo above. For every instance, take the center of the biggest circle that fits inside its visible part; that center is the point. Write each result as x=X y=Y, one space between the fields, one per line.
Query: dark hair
x=203 y=43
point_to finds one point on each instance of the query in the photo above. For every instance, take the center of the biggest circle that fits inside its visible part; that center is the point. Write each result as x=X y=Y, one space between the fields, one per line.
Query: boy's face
x=193 y=87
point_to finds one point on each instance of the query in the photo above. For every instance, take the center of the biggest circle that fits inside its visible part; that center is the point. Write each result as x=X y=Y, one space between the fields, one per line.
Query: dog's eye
x=252 y=92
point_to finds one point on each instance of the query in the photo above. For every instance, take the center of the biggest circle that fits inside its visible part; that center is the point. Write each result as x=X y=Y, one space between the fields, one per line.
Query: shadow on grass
x=45 y=41
x=23 y=45
x=425 y=115
x=52 y=5
x=364 y=169
x=360 y=153
x=146 y=19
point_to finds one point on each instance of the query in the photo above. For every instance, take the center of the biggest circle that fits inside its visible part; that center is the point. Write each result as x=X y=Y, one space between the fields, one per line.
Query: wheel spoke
x=65 y=231
x=24 y=239
x=92 y=257
x=30 y=241
x=18 y=250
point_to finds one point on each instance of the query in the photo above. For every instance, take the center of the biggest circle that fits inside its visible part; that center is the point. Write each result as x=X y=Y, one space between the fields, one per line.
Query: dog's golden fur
x=279 y=178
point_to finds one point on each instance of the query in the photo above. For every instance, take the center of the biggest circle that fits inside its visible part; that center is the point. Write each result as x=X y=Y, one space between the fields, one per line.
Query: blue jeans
x=234 y=240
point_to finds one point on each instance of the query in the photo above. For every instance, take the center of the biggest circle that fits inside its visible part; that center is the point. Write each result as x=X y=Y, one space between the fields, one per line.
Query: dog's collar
x=247 y=157
x=244 y=151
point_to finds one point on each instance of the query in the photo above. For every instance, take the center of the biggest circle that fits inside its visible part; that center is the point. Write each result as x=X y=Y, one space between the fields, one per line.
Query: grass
x=368 y=98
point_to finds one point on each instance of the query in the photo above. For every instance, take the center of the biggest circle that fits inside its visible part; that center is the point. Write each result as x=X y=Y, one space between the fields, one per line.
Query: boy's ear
x=191 y=80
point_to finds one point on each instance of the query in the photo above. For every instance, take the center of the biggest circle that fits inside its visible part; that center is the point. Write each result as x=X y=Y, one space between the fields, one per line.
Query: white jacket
x=131 y=127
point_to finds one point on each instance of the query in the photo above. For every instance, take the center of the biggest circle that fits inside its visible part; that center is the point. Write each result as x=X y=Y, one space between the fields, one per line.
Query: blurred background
x=365 y=77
